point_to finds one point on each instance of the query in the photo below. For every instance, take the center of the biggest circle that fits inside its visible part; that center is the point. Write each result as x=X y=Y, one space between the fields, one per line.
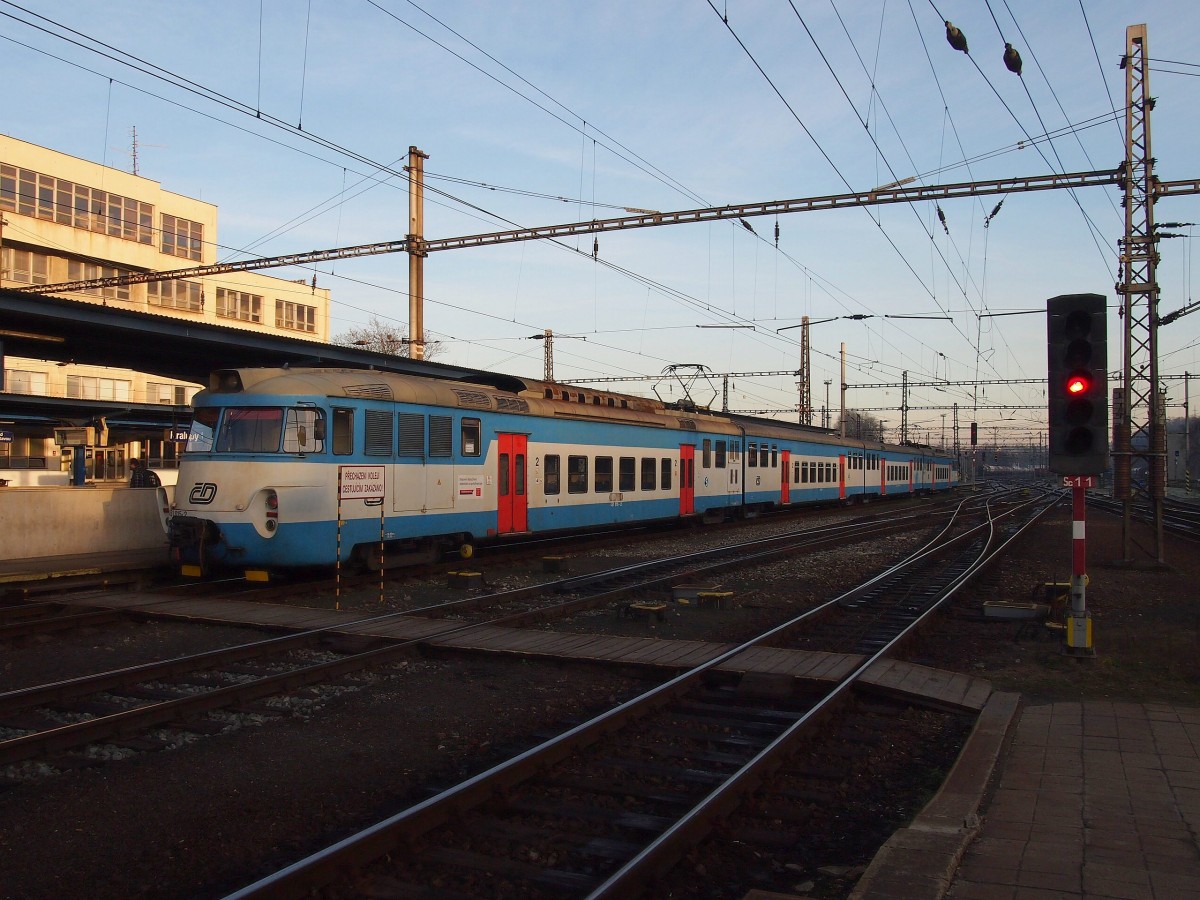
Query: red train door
x=882 y=476
x=512 y=503
x=842 y=477
x=687 y=479
x=785 y=477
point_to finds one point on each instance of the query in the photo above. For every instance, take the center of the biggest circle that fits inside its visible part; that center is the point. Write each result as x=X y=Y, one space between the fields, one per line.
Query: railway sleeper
x=606 y=848
x=783 y=717
x=650 y=793
x=616 y=818
x=691 y=755
x=642 y=767
x=747 y=725
x=702 y=740
x=495 y=865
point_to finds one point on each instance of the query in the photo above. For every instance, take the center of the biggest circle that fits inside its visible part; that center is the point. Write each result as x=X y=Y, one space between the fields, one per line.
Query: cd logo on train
x=203 y=492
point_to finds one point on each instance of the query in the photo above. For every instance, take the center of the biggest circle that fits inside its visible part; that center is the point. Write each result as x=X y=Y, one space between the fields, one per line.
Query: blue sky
x=588 y=108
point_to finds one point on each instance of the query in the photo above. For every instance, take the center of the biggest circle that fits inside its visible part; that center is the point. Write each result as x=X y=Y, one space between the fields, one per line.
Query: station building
x=66 y=219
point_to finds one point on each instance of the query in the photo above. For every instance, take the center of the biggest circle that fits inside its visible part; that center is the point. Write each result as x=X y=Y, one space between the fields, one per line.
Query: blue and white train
x=298 y=467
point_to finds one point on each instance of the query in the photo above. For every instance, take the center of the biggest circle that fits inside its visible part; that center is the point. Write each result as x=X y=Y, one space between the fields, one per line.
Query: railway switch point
x=464 y=579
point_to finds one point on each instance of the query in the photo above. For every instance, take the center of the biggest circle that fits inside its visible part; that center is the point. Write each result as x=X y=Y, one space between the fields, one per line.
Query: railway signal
x=1077 y=337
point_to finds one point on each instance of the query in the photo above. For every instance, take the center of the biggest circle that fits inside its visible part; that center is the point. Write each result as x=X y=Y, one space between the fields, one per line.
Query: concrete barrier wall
x=64 y=521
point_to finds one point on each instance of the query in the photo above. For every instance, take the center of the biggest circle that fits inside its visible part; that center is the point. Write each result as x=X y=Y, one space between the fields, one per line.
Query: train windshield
x=257 y=429
x=252 y=429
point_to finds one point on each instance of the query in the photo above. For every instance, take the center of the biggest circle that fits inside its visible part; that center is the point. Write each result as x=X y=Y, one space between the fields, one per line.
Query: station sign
x=75 y=437
x=1083 y=481
x=6 y=436
x=177 y=433
x=361 y=482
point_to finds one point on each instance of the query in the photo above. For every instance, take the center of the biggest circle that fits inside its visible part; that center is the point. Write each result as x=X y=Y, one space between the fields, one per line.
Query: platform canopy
x=66 y=331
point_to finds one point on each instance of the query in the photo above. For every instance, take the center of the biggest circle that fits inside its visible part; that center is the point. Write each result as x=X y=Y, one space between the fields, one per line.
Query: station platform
x=49 y=568
x=1092 y=799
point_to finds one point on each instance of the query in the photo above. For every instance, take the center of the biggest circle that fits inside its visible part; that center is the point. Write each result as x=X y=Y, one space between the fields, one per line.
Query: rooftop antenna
x=133 y=151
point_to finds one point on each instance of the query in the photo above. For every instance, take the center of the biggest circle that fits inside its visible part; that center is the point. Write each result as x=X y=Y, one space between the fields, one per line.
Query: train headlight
x=272 y=500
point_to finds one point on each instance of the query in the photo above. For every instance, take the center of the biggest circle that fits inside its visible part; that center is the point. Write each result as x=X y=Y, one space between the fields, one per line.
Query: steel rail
x=132 y=720
x=665 y=851
x=321 y=868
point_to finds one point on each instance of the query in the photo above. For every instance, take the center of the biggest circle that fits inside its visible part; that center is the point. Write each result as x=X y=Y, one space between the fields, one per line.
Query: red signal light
x=1078 y=384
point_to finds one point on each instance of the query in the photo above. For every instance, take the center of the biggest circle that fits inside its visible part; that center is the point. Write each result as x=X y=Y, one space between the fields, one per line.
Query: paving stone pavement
x=1094 y=799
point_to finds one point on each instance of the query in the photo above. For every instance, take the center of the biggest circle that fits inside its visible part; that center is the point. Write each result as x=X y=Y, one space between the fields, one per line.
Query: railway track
x=23 y=618
x=608 y=807
x=1179 y=517
x=46 y=728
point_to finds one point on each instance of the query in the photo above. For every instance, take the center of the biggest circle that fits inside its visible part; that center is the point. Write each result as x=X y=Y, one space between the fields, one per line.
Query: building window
x=20 y=381
x=182 y=237
x=25 y=266
x=56 y=200
x=295 y=316
x=82 y=271
x=170 y=394
x=186 y=295
x=239 y=305
x=91 y=387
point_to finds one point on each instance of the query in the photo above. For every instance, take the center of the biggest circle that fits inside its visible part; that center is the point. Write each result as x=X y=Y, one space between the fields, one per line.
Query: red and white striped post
x=1079 y=621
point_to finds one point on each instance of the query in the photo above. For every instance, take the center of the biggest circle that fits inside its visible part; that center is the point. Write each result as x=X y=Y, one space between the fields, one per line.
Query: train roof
x=515 y=395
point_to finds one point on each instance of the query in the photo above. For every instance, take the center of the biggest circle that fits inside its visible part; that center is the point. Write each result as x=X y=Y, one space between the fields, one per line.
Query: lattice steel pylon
x=1138 y=416
x=804 y=384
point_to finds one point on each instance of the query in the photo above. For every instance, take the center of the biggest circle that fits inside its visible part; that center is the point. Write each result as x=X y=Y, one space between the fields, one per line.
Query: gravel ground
x=225 y=809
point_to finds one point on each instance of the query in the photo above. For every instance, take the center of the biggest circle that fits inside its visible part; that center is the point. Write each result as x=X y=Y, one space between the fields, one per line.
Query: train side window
x=304 y=431
x=343 y=432
x=720 y=454
x=764 y=456
x=627 y=478
x=795 y=473
x=469 y=437
x=441 y=436
x=550 y=474
x=604 y=475
x=649 y=473
x=751 y=455
x=378 y=437
x=412 y=435
x=577 y=474
x=503 y=480
x=774 y=457
x=520 y=475
x=706 y=454
x=666 y=474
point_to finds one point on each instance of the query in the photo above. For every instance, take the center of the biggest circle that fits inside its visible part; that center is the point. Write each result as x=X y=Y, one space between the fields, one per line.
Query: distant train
x=417 y=466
